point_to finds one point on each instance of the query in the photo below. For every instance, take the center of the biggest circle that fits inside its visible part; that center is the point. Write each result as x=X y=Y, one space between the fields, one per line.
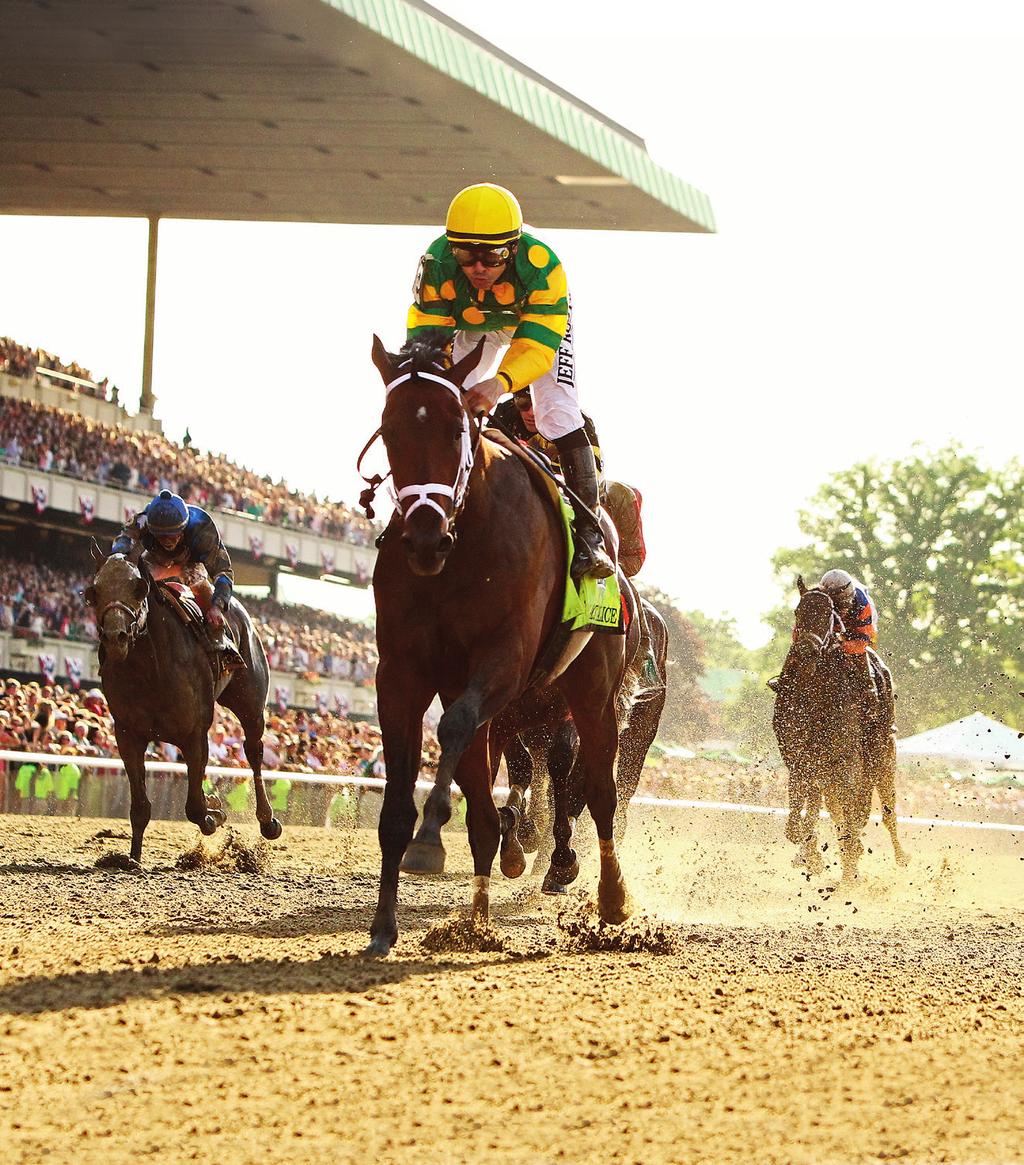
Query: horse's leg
x=807 y=838
x=520 y=781
x=400 y=709
x=196 y=753
x=133 y=753
x=243 y=697
x=599 y=740
x=635 y=741
x=885 y=781
x=564 y=867
x=510 y=815
x=474 y=779
x=425 y=854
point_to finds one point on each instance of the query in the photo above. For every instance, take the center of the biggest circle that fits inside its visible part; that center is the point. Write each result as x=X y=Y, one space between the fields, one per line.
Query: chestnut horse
x=160 y=684
x=829 y=748
x=469 y=587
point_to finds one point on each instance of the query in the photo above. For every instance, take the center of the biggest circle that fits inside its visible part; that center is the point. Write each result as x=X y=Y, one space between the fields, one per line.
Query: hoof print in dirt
x=462 y=934
x=118 y=862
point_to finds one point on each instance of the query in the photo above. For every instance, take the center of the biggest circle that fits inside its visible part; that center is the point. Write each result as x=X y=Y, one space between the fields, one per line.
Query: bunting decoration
x=74 y=669
x=327 y=558
x=281 y=694
x=48 y=667
x=291 y=553
x=256 y=546
x=87 y=504
x=39 y=497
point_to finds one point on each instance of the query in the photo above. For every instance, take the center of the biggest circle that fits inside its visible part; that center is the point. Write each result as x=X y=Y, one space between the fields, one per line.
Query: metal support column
x=147 y=400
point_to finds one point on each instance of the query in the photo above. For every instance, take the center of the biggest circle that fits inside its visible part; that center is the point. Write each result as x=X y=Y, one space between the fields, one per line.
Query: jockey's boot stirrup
x=590 y=558
x=228 y=655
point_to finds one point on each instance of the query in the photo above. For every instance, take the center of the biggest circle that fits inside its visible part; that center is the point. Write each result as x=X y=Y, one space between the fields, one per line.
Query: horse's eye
x=457 y=435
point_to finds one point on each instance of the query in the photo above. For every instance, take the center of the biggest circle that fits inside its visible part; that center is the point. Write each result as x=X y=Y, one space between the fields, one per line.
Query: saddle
x=182 y=600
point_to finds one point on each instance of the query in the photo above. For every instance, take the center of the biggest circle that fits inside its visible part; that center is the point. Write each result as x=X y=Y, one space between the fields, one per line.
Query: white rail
x=152 y=766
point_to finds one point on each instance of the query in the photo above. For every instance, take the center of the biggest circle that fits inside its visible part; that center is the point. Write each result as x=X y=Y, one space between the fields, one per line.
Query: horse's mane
x=425 y=353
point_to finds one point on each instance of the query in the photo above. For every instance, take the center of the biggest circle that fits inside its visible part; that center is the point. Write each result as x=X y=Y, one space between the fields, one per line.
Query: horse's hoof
x=379 y=946
x=616 y=907
x=529 y=836
x=793 y=830
x=423 y=858
x=219 y=816
x=208 y=825
x=559 y=877
x=513 y=860
x=902 y=858
x=271 y=829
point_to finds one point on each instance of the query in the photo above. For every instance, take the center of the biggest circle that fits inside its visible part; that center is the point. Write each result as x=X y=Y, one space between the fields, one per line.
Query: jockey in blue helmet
x=183 y=541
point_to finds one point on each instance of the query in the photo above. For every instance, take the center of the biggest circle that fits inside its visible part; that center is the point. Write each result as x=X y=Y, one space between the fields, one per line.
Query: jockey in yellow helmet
x=486 y=276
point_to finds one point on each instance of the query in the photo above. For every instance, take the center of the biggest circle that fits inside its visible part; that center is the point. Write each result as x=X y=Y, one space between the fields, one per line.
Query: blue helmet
x=167 y=514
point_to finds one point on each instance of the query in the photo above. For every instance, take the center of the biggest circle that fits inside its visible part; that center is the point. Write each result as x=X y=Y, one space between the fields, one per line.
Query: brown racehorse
x=469 y=586
x=828 y=748
x=160 y=685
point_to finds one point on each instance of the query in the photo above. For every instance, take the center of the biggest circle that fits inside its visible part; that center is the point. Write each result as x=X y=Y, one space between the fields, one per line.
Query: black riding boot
x=224 y=649
x=580 y=471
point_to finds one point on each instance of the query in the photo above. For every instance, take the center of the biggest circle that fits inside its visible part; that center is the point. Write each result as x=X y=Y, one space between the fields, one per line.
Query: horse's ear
x=141 y=589
x=379 y=356
x=458 y=372
x=97 y=555
x=801 y=586
x=89 y=595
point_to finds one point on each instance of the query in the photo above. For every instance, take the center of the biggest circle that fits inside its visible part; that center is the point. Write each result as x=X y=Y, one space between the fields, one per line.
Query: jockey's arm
x=541 y=328
x=208 y=549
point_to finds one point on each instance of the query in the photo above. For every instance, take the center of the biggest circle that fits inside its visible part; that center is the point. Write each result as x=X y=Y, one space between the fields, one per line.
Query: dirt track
x=221 y=1016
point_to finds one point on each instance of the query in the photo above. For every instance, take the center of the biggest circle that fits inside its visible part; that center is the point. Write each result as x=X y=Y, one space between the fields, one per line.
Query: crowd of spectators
x=315 y=643
x=50 y=718
x=37 y=599
x=54 y=441
x=17 y=360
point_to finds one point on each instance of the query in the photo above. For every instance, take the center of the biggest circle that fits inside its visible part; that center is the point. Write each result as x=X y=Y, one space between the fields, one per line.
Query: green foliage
x=937 y=538
x=688 y=715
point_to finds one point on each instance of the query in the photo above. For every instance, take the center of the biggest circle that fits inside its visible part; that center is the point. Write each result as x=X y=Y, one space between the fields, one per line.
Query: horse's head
x=118 y=595
x=816 y=622
x=430 y=447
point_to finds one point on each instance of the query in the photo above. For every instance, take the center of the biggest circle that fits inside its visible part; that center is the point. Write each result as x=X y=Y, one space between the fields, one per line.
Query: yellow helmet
x=484 y=214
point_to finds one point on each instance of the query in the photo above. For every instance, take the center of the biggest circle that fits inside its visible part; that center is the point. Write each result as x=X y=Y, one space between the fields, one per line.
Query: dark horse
x=537 y=760
x=829 y=748
x=468 y=617
x=160 y=683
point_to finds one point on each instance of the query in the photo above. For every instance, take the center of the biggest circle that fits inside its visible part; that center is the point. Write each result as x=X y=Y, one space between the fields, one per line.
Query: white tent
x=974 y=740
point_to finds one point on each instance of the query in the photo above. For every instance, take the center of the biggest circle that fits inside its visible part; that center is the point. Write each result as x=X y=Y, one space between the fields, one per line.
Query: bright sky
x=864 y=292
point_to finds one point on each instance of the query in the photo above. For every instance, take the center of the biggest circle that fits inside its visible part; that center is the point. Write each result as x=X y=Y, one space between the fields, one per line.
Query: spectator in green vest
x=23 y=787
x=238 y=799
x=279 y=792
x=65 y=789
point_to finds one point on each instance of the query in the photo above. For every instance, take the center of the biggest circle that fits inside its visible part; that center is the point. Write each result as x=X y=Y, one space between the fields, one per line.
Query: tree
x=937 y=538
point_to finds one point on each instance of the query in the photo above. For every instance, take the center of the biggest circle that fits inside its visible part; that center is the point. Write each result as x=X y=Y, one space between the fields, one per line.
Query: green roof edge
x=441 y=46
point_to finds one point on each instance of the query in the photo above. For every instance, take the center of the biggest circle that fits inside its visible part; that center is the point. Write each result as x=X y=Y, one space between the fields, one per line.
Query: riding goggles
x=488 y=256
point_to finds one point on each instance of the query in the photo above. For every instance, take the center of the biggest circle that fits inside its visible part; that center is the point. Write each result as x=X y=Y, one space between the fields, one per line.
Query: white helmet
x=839 y=585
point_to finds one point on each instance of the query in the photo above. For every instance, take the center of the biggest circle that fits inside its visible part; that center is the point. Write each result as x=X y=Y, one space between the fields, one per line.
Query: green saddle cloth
x=597 y=604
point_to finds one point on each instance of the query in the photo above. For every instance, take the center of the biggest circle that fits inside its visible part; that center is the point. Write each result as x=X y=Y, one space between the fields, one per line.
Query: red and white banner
x=39 y=497
x=321 y=702
x=256 y=546
x=48 y=667
x=129 y=514
x=362 y=572
x=327 y=558
x=87 y=504
x=74 y=667
x=291 y=552
x=340 y=704
x=281 y=694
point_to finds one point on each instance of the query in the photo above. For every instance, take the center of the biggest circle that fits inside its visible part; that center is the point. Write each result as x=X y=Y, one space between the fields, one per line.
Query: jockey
x=183 y=541
x=486 y=277
x=857 y=611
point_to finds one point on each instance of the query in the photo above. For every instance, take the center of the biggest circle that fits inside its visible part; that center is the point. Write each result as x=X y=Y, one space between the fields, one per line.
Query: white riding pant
x=556 y=407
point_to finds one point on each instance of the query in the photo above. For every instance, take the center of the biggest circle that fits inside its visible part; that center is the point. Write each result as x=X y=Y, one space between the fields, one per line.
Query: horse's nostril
x=446 y=543
x=406 y=540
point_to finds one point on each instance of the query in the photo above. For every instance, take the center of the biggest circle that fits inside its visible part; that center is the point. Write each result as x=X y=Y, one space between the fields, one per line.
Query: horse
x=161 y=683
x=828 y=749
x=536 y=760
x=469 y=586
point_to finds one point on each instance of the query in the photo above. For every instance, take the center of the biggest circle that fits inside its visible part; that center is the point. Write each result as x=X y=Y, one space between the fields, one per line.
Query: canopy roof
x=358 y=111
x=974 y=739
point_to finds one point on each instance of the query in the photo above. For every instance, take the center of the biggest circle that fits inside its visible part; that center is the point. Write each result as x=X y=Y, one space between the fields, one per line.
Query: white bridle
x=422 y=492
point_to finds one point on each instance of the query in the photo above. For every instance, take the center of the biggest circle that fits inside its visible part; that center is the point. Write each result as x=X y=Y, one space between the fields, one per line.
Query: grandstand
x=75 y=465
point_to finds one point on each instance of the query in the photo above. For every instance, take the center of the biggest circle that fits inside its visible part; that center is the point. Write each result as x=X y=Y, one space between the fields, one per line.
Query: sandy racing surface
x=225 y=1014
